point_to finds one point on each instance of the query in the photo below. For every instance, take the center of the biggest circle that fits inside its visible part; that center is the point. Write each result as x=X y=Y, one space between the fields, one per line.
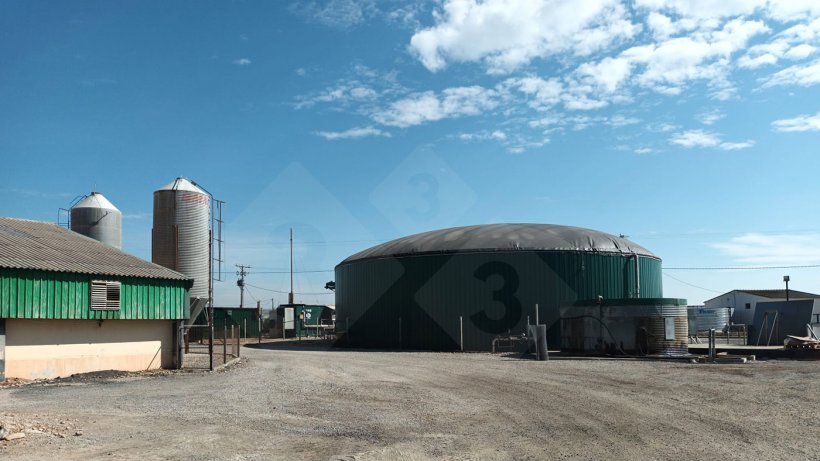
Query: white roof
x=184 y=184
x=95 y=200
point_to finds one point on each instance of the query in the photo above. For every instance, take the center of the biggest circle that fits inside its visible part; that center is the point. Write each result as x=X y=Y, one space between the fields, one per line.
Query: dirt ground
x=308 y=402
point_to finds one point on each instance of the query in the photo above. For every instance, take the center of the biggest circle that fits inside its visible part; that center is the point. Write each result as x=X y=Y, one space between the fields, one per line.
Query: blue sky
x=690 y=126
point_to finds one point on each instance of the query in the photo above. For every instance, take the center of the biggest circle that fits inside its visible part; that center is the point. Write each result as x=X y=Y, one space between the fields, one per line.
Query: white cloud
x=710 y=117
x=340 y=14
x=703 y=9
x=343 y=93
x=542 y=93
x=791 y=10
x=736 y=145
x=695 y=138
x=670 y=64
x=802 y=75
x=700 y=138
x=243 y=62
x=353 y=133
x=798 y=124
x=507 y=35
x=801 y=51
x=773 y=249
x=428 y=106
x=644 y=150
x=496 y=135
x=621 y=120
x=607 y=74
x=580 y=122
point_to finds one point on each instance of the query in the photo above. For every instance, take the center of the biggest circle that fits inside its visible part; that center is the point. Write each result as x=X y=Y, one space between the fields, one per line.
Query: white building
x=744 y=302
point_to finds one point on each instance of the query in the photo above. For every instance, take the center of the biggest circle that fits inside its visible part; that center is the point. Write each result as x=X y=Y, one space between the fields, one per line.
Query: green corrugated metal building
x=85 y=306
x=441 y=289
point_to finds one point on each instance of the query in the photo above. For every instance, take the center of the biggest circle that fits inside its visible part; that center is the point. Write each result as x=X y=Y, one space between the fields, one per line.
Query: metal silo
x=94 y=216
x=181 y=234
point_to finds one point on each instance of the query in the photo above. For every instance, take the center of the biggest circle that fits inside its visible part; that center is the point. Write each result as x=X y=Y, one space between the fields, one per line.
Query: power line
x=691 y=284
x=746 y=268
x=285 y=292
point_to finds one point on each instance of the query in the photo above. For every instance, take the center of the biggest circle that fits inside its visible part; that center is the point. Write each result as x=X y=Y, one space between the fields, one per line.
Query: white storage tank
x=94 y=216
x=181 y=234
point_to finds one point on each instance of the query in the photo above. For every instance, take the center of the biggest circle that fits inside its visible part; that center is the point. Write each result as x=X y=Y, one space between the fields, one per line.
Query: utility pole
x=290 y=295
x=241 y=283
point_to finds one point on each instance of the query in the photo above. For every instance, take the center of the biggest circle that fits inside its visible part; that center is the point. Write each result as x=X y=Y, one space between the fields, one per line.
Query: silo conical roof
x=95 y=200
x=182 y=183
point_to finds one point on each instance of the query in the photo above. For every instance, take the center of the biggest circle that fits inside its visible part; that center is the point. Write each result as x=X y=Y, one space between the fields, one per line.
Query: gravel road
x=307 y=402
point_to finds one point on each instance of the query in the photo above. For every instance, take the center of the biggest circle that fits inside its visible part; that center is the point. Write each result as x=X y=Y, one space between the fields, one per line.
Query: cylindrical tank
x=627 y=326
x=181 y=234
x=460 y=288
x=94 y=216
x=707 y=318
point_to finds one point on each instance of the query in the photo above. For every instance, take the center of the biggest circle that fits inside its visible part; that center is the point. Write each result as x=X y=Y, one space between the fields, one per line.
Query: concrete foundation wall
x=51 y=348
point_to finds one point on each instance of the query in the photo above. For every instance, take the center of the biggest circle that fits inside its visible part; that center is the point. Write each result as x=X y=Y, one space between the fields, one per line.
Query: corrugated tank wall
x=492 y=293
x=29 y=294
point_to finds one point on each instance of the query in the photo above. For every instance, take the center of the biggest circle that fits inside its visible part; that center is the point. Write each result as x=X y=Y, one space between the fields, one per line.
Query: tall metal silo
x=181 y=234
x=94 y=216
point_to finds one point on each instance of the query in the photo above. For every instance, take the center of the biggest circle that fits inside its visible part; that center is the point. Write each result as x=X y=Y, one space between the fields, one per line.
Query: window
x=105 y=295
x=748 y=305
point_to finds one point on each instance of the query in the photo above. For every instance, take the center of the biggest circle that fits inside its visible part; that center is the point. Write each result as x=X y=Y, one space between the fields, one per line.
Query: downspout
x=637 y=277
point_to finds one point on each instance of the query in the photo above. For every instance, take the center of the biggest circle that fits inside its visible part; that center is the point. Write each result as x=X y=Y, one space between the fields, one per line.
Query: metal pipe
x=461 y=331
x=637 y=277
x=225 y=344
x=536 y=314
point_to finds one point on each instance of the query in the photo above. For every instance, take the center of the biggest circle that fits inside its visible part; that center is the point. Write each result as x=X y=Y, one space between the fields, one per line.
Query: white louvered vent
x=105 y=295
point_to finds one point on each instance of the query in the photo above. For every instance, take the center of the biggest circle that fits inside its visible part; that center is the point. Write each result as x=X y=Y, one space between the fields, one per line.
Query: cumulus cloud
x=353 y=133
x=243 y=62
x=700 y=138
x=507 y=35
x=428 y=106
x=798 y=124
x=695 y=138
x=782 y=249
x=557 y=65
x=798 y=74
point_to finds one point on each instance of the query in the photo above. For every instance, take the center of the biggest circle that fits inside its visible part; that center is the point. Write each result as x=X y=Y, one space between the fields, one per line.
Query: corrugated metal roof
x=45 y=246
x=503 y=237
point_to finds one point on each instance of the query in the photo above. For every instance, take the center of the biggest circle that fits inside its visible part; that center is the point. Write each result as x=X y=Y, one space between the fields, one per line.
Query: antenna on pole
x=290 y=294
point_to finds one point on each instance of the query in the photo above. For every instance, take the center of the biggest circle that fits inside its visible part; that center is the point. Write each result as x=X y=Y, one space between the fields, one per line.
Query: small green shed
x=70 y=304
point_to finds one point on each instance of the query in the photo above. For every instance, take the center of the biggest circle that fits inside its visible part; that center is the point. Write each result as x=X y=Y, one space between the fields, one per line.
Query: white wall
x=51 y=348
x=737 y=300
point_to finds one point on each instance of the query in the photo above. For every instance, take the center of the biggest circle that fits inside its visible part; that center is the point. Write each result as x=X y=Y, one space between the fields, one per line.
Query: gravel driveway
x=306 y=402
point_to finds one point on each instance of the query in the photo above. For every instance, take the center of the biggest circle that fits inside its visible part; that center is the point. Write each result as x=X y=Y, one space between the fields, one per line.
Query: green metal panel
x=490 y=293
x=30 y=294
